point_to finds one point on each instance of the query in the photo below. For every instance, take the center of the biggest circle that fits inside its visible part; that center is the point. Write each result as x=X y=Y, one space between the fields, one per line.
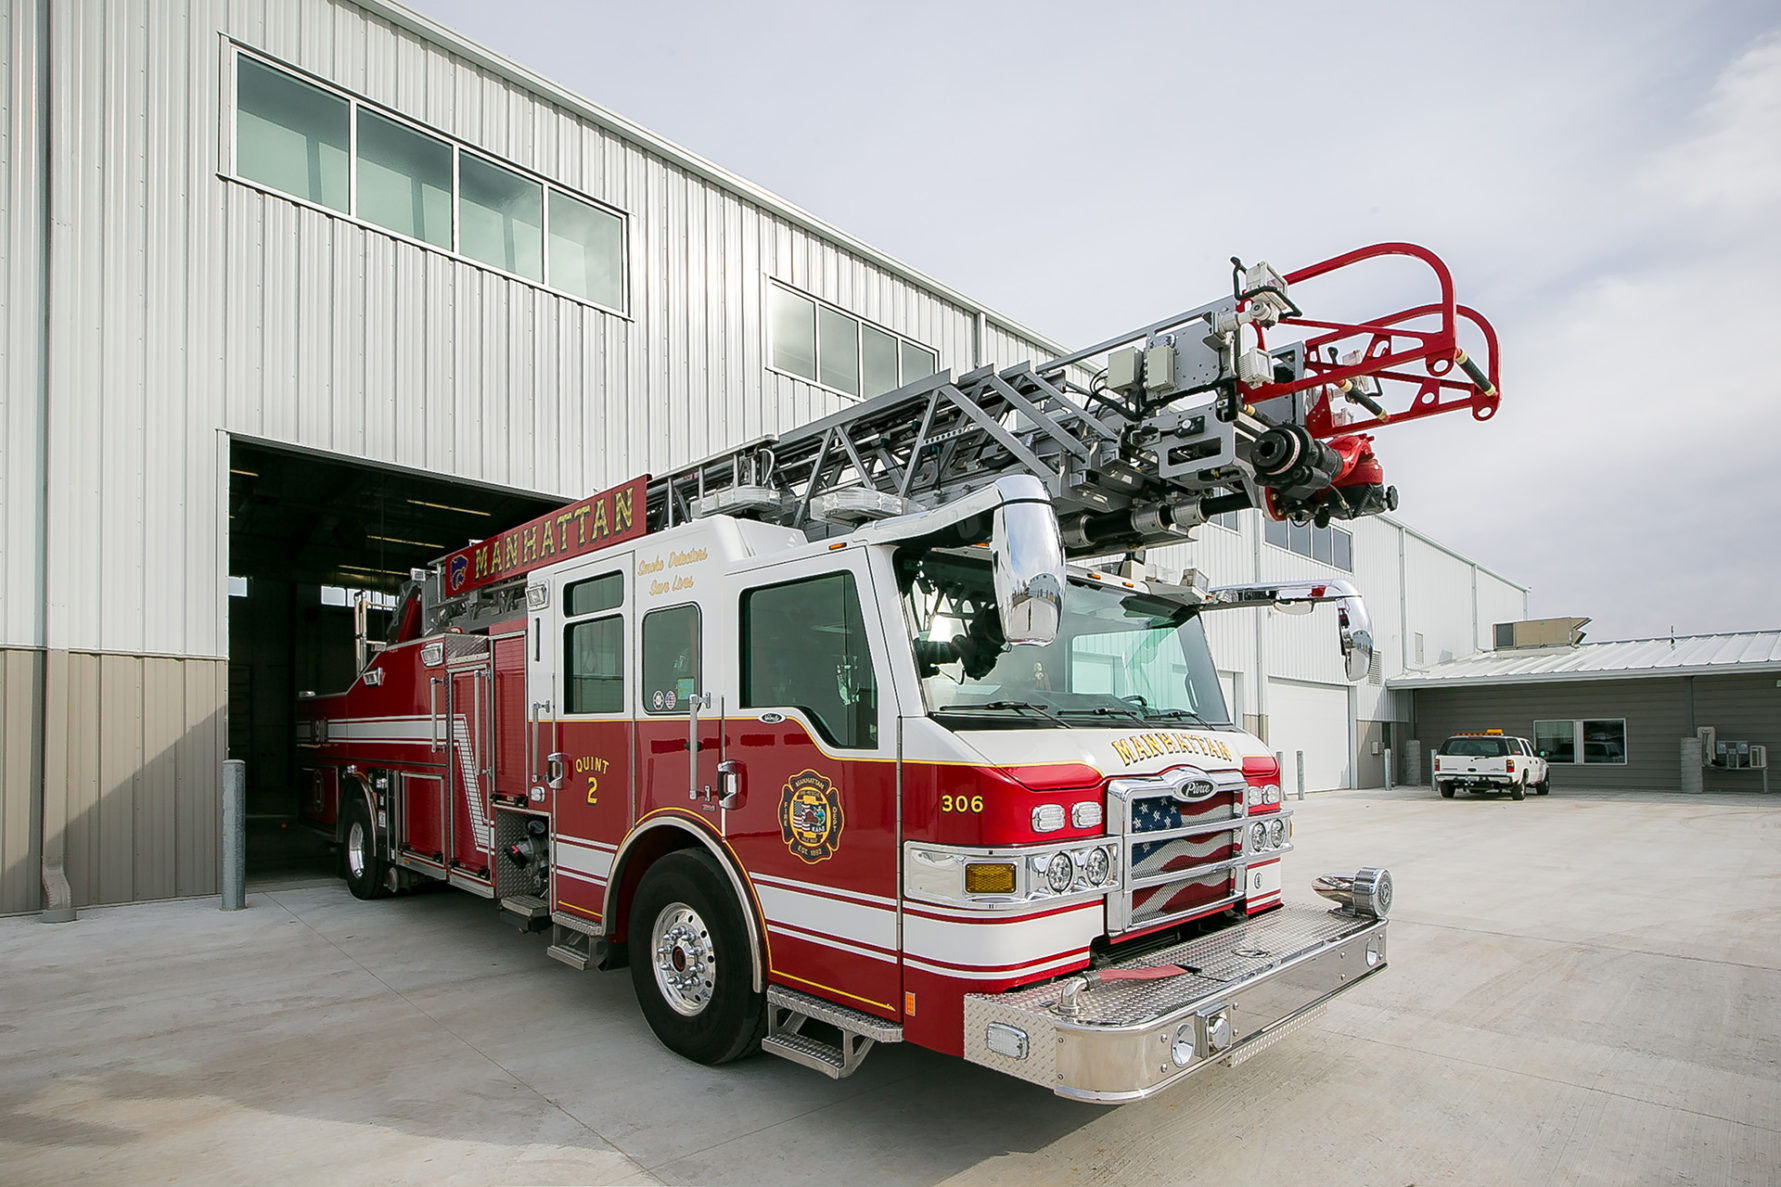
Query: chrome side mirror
x=1029 y=570
x=1356 y=629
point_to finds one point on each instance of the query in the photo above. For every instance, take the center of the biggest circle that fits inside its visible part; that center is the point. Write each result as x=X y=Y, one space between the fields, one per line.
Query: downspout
x=49 y=815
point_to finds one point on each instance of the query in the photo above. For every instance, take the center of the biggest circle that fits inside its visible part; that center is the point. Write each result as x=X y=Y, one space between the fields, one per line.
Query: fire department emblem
x=810 y=816
x=460 y=569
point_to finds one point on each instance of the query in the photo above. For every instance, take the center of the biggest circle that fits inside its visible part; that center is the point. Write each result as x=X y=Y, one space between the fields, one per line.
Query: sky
x=1604 y=180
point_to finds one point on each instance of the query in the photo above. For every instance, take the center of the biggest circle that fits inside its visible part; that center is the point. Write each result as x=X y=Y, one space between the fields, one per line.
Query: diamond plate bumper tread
x=1131 y=1039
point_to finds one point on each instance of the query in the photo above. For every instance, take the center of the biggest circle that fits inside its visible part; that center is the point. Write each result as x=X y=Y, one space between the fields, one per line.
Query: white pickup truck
x=1490 y=761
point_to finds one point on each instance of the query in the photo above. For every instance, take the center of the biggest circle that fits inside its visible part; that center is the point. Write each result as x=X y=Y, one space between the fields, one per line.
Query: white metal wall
x=21 y=329
x=189 y=303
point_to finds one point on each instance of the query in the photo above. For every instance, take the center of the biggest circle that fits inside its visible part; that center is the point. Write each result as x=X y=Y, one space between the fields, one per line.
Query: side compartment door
x=588 y=755
x=810 y=731
x=468 y=753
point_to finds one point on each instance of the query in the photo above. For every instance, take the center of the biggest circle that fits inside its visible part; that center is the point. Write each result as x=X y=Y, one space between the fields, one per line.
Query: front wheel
x=690 y=961
x=1544 y=786
x=361 y=866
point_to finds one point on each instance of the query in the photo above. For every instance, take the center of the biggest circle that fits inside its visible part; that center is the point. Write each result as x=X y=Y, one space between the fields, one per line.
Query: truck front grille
x=1181 y=832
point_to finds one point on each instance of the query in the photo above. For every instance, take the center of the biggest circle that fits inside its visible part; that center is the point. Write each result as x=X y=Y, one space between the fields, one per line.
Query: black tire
x=1544 y=786
x=1446 y=790
x=360 y=863
x=1517 y=791
x=690 y=962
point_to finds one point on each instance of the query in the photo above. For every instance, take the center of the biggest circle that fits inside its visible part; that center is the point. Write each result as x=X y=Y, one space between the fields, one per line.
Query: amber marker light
x=989 y=879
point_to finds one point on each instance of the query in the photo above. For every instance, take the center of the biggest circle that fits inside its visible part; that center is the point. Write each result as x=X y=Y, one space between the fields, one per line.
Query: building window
x=1593 y=741
x=1228 y=520
x=404 y=180
x=825 y=345
x=1328 y=545
x=290 y=135
x=335 y=151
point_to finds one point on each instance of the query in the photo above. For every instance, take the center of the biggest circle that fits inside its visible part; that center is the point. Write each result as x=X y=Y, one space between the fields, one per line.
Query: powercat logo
x=810 y=816
x=1158 y=745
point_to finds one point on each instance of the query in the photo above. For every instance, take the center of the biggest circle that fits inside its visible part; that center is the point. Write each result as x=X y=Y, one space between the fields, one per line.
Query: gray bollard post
x=234 y=834
x=1691 y=766
x=1388 y=768
x=1301 y=755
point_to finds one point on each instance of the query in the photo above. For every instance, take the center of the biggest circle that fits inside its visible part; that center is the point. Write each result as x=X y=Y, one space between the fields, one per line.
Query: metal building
x=1615 y=715
x=300 y=293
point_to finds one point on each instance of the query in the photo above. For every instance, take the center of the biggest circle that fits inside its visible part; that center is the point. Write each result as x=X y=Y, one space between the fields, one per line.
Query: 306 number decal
x=961 y=803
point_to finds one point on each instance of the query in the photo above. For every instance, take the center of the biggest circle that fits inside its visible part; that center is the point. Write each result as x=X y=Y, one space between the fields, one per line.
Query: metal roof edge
x=661 y=146
x=1415 y=682
x=1455 y=553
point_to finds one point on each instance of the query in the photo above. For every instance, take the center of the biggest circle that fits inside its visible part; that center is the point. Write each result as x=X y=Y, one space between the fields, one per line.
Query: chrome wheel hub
x=355 y=849
x=685 y=962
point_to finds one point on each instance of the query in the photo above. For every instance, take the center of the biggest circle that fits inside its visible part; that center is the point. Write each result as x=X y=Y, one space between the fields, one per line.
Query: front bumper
x=1120 y=1041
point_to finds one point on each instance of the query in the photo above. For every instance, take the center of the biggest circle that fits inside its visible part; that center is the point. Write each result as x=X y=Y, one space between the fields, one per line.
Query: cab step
x=788 y=1011
x=576 y=947
x=527 y=912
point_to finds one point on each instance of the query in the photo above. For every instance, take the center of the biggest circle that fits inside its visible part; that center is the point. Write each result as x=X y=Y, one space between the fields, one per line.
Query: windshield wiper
x=1017 y=706
x=1110 y=711
x=1178 y=713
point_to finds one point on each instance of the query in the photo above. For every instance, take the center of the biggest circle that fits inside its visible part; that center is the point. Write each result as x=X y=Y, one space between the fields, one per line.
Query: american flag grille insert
x=1183 y=836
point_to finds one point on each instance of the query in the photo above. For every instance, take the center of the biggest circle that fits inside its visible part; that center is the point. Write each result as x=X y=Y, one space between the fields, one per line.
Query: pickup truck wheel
x=1544 y=786
x=690 y=961
x=1446 y=790
x=1517 y=791
x=360 y=864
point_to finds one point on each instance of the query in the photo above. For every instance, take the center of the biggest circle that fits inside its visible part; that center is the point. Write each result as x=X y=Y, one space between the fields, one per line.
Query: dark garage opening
x=309 y=536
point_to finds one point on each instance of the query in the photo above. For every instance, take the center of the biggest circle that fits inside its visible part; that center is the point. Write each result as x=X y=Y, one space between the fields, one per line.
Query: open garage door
x=309 y=535
x=1312 y=718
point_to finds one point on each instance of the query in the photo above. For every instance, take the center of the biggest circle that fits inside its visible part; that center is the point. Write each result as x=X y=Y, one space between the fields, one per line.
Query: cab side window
x=593 y=647
x=670 y=658
x=804 y=646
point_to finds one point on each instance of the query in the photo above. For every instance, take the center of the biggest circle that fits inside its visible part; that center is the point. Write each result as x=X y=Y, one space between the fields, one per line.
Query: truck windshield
x=1475 y=747
x=1119 y=656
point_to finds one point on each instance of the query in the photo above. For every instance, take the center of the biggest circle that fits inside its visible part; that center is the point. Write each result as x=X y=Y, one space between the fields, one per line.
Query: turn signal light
x=989 y=879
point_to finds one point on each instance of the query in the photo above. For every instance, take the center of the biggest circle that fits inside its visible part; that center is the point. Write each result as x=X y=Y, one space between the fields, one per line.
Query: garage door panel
x=1312 y=718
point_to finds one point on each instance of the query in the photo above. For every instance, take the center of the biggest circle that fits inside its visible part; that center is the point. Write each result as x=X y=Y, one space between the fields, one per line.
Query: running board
x=575 y=947
x=787 y=1013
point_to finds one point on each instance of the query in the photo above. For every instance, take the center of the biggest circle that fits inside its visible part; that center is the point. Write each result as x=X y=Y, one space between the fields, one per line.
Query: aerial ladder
x=1140 y=438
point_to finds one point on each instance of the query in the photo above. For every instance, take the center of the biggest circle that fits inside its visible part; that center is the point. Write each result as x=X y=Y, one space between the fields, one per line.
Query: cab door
x=809 y=749
x=584 y=670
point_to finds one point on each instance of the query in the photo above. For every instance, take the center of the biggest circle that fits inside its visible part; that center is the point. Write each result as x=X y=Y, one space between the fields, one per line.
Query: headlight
x=1271 y=794
x=1085 y=813
x=1255 y=796
x=1258 y=836
x=1060 y=873
x=1048 y=818
x=1276 y=832
x=1096 y=868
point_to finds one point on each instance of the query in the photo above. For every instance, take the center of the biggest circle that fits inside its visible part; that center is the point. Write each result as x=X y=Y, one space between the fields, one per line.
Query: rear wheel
x=1517 y=791
x=690 y=961
x=361 y=866
x=1446 y=790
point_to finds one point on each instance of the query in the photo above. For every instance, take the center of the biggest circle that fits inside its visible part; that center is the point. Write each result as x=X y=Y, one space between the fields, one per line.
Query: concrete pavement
x=1584 y=989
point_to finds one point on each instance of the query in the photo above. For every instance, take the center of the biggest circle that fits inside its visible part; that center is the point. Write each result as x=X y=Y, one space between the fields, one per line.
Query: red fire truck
x=827 y=741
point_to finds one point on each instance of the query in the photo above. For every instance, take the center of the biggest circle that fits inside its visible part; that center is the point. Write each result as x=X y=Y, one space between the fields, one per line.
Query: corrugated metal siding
x=194 y=303
x=1655 y=713
x=1742 y=708
x=1440 y=586
x=21 y=736
x=141 y=777
x=21 y=327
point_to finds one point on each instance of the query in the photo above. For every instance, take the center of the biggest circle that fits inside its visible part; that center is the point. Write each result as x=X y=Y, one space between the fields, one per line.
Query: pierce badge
x=810 y=816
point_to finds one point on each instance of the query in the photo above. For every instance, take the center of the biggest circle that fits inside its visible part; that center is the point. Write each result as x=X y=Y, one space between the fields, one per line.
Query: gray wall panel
x=1656 y=721
x=1742 y=708
x=21 y=769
